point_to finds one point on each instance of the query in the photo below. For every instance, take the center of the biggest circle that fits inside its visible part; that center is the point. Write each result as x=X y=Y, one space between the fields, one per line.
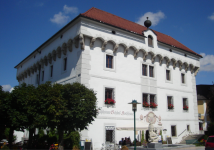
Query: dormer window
x=150 y=41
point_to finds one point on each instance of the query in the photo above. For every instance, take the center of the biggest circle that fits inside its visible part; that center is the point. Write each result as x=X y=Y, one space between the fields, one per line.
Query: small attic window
x=61 y=36
x=170 y=50
x=185 y=55
x=150 y=41
x=113 y=32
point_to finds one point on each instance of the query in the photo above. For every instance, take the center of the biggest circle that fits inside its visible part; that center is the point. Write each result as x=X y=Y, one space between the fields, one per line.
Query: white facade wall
x=88 y=66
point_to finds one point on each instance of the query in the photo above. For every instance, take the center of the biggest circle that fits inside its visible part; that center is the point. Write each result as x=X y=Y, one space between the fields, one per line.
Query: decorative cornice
x=70 y=44
x=81 y=38
x=58 y=52
x=115 y=48
x=104 y=45
x=64 y=48
x=92 y=42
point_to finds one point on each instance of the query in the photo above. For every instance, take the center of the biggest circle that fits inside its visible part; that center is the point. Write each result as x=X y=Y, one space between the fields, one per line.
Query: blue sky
x=26 y=24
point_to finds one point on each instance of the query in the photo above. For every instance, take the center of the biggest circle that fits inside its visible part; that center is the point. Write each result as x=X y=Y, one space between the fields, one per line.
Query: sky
x=26 y=24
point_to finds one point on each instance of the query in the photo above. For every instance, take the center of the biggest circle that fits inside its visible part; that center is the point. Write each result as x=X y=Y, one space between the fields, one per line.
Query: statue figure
x=153 y=137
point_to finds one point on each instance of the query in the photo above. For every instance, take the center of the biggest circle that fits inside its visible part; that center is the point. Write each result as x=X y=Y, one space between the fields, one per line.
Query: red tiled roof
x=114 y=20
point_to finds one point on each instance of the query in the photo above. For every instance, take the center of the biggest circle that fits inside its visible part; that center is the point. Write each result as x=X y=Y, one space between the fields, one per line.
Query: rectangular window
x=65 y=63
x=109 y=96
x=52 y=71
x=43 y=75
x=173 y=131
x=151 y=71
x=109 y=134
x=145 y=98
x=170 y=102
x=144 y=70
x=183 y=78
x=152 y=98
x=37 y=79
x=187 y=127
x=168 y=75
x=150 y=41
x=185 y=104
x=109 y=61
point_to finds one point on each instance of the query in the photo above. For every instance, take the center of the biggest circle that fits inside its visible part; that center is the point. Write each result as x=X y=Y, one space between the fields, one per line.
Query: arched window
x=150 y=41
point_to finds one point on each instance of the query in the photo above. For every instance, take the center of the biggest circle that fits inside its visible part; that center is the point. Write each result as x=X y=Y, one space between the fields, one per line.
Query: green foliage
x=69 y=107
x=72 y=139
x=161 y=135
x=142 y=139
x=5 y=147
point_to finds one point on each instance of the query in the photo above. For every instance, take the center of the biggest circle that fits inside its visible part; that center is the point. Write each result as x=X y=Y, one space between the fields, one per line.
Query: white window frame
x=50 y=71
x=147 y=76
x=148 y=100
x=176 y=130
x=187 y=105
x=170 y=110
x=170 y=75
x=114 y=96
x=152 y=41
x=114 y=62
x=189 y=128
x=63 y=58
x=185 y=78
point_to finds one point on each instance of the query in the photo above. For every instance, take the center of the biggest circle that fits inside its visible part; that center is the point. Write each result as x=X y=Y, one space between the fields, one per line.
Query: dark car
x=209 y=145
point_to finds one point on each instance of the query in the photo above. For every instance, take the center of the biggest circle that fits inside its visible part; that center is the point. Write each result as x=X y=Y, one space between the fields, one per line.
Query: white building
x=121 y=60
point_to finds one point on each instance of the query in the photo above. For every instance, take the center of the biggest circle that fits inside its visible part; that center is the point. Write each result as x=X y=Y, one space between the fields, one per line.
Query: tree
x=22 y=111
x=3 y=108
x=211 y=104
x=69 y=107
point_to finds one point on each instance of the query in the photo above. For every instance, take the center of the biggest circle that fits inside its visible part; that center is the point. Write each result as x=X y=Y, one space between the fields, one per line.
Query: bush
x=72 y=139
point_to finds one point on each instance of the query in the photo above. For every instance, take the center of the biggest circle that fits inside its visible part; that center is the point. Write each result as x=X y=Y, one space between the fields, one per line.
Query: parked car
x=209 y=145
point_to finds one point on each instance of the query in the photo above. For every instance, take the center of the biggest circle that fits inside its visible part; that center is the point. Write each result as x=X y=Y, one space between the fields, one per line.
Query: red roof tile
x=114 y=20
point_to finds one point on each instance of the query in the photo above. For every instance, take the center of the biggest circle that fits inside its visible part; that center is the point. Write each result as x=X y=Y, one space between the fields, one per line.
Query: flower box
x=109 y=101
x=170 y=106
x=153 y=105
x=145 y=104
x=185 y=107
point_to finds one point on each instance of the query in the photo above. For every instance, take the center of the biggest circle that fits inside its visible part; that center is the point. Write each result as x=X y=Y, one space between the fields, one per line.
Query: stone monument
x=153 y=137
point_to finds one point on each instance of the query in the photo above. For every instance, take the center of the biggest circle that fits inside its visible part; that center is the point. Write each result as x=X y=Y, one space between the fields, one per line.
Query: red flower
x=185 y=107
x=170 y=106
x=145 y=104
x=153 y=105
x=109 y=101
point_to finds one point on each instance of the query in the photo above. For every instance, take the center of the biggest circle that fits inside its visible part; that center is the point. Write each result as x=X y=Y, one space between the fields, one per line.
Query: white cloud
x=211 y=17
x=6 y=87
x=72 y=10
x=207 y=62
x=153 y=17
x=62 y=17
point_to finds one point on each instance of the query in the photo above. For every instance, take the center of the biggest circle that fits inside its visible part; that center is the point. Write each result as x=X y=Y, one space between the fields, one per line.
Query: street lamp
x=134 y=108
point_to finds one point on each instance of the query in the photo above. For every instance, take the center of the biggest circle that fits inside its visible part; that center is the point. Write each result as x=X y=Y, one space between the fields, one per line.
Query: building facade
x=121 y=61
x=203 y=94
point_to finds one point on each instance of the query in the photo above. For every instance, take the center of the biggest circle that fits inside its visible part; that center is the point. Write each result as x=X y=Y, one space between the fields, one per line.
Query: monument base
x=154 y=145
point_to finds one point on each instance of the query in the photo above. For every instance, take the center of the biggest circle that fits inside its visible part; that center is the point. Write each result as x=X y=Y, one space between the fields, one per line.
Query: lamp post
x=134 y=108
